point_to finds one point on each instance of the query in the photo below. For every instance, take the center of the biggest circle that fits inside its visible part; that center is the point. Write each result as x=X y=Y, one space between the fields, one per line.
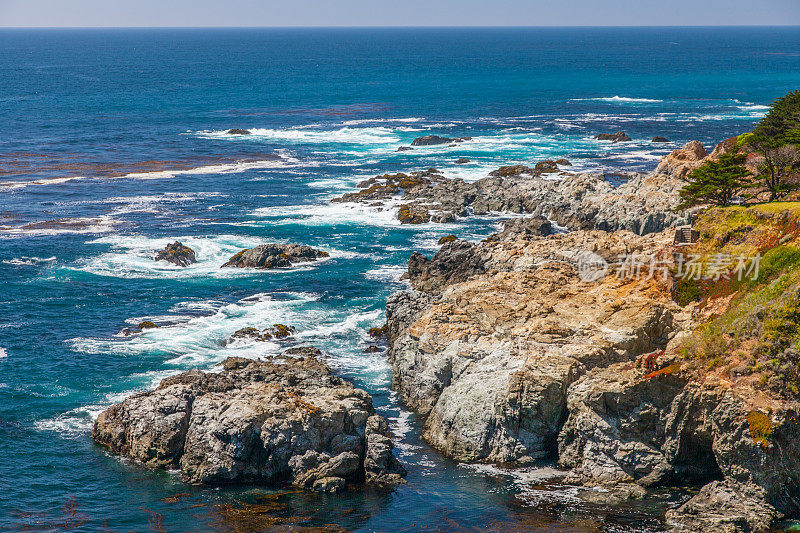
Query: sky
x=186 y=13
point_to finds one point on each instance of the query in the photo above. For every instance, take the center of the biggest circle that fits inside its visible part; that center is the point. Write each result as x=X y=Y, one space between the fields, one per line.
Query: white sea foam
x=619 y=99
x=3 y=353
x=200 y=340
x=390 y=273
x=313 y=135
x=331 y=213
x=29 y=261
x=221 y=168
x=77 y=225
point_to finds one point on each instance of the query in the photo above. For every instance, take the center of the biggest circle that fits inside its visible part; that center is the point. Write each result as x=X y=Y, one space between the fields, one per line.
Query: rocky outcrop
x=620 y=136
x=495 y=334
x=682 y=161
x=256 y=421
x=645 y=203
x=455 y=261
x=527 y=226
x=274 y=256
x=276 y=331
x=237 y=131
x=404 y=149
x=726 y=507
x=628 y=423
x=431 y=140
x=177 y=254
x=659 y=139
x=462 y=160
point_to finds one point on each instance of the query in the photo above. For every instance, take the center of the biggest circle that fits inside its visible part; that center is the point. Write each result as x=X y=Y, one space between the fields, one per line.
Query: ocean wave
x=200 y=340
x=381 y=121
x=310 y=135
x=29 y=261
x=619 y=99
x=3 y=353
x=76 y=225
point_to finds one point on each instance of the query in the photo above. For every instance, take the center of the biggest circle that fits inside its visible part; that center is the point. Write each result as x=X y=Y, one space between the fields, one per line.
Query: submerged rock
x=404 y=149
x=276 y=331
x=431 y=140
x=620 y=136
x=274 y=256
x=254 y=422
x=462 y=160
x=238 y=131
x=658 y=139
x=177 y=254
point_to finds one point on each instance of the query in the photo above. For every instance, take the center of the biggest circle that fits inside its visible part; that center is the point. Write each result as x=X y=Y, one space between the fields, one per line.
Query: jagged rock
x=725 y=507
x=545 y=167
x=681 y=161
x=563 y=162
x=303 y=351
x=147 y=324
x=527 y=226
x=237 y=131
x=431 y=140
x=512 y=170
x=276 y=331
x=255 y=422
x=413 y=214
x=404 y=149
x=658 y=139
x=727 y=146
x=373 y=349
x=274 y=256
x=462 y=160
x=620 y=136
x=455 y=261
x=177 y=254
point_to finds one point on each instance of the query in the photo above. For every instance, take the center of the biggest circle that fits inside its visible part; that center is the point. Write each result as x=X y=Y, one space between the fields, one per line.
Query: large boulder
x=431 y=140
x=682 y=161
x=274 y=256
x=177 y=254
x=620 y=136
x=255 y=422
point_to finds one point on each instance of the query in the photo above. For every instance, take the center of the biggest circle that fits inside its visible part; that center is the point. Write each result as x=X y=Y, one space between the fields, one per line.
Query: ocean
x=113 y=143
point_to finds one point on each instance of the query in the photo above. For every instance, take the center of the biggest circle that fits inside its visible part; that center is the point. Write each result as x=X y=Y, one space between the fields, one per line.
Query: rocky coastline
x=284 y=419
x=527 y=346
x=513 y=354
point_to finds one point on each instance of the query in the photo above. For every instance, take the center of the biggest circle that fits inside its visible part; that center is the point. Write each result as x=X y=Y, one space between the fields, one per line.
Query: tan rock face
x=680 y=162
x=490 y=361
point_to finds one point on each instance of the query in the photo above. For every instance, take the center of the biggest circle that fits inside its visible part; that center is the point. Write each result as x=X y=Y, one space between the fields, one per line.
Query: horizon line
x=519 y=26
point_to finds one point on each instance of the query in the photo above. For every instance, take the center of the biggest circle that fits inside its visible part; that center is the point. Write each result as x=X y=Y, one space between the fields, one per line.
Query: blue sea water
x=113 y=143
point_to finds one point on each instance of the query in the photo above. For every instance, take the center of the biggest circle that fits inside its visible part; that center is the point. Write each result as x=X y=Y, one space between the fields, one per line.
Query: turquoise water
x=118 y=136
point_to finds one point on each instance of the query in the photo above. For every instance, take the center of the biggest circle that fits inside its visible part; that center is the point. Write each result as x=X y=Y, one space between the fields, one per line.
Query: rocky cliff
x=592 y=348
